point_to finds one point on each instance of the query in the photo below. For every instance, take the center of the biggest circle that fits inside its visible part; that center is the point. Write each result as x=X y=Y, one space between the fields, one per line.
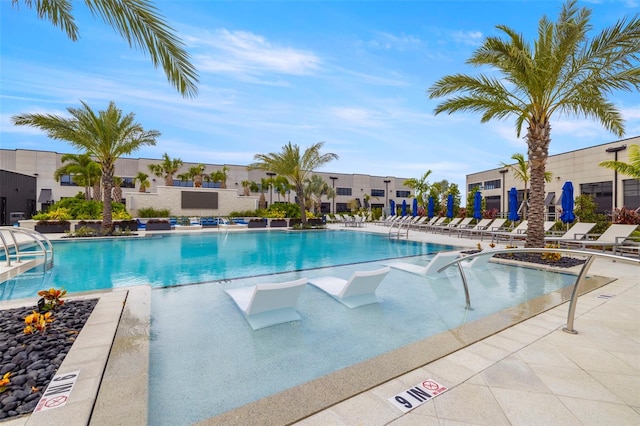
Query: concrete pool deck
x=529 y=373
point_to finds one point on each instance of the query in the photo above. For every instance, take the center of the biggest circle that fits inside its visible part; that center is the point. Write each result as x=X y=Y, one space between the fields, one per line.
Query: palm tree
x=220 y=176
x=632 y=168
x=315 y=187
x=197 y=174
x=562 y=72
x=281 y=186
x=420 y=187
x=139 y=23
x=83 y=170
x=117 y=189
x=166 y=169
x=106 y=136
x=521 y=172
x=295 y=166
x=246 y=187
x=143 y=179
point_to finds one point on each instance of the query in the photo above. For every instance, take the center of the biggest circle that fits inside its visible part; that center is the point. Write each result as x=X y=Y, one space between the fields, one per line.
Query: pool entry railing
x=12 y=247
x=399 y=229
x=582 y=275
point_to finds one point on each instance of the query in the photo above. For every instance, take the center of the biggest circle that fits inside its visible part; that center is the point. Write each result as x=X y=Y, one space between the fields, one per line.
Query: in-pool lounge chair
x=611 y=238
x=359 y=290
x=264 y=305
x=431 y=270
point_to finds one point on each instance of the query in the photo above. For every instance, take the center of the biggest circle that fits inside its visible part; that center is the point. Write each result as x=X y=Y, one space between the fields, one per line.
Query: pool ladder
x=401 y=231
x=12 y=247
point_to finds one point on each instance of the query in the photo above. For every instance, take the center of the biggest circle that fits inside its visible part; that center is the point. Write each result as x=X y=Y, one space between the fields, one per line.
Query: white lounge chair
x=431 y=270
x=612 y=237
x=264 y=305
x=358 y=291
x=576 y=232
x=483 y=225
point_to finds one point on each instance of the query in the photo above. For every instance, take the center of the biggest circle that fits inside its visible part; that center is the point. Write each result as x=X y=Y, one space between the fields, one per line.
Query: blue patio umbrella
x=450 y=206
x=513 y=205
x=414 y=208
x=431 y=207
x=567 y=215
x=404 y=207
x=477 y=206
x=392 y=207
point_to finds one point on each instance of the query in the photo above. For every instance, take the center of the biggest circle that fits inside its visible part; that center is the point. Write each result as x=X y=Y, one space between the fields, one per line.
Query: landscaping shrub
x=151 y=212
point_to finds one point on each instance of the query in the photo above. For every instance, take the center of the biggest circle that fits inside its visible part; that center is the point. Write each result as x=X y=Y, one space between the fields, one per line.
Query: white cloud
x=471 y=38
x=245 y=54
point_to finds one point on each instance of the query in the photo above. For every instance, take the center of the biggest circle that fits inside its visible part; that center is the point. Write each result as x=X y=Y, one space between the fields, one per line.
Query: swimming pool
x=206 y=360
x=179 y=259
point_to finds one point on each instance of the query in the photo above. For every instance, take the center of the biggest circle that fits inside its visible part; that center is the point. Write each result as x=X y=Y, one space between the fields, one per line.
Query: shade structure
x=513 y=205
x=404 y=207
x=477 y=206
x=431 y=207
x=450 y=206
x=392 y=207
x=567 y=215
x=414 y=208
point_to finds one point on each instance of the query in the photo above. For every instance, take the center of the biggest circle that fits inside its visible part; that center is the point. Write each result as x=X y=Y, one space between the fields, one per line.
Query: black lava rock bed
x=563 y=262
x=33 y=359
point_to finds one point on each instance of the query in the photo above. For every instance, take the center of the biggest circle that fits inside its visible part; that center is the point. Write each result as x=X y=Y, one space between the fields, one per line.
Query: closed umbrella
x=431 y=207
x=567 y=215
x=392 y=207
x=404 y=207
x=414 y=208
x=477 y=206
x=513 y=205
x=450 y=206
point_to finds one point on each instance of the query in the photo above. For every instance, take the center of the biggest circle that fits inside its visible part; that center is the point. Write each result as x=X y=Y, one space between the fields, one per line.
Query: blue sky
x=353 y=74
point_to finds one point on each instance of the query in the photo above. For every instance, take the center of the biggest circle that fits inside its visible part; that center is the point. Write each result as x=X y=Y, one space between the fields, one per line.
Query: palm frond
x=58 y=12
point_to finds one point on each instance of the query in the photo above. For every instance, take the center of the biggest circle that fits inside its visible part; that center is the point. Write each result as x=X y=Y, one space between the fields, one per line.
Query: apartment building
x=38 y=168
x=609 y=189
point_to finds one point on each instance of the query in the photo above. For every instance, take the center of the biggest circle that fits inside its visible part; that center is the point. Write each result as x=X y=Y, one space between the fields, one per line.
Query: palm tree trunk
x=168 y=180
x=303 y=211
x=97 y=185
x=107 y=223
x=538 y=139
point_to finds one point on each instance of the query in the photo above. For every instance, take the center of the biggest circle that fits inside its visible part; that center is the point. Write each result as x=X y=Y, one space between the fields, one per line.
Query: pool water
x=170 y=260
x=205 y=359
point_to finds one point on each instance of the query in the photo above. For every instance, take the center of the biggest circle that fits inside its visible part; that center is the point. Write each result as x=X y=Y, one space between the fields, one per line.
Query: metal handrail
x=37 y=237
x=404 y=222
x=576 y=287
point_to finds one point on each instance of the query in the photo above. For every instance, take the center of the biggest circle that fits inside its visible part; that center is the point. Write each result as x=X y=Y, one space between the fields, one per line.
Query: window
x=127 y=182
x=493 y=202
x=631 y=193
x=471 y=186
x=342 y=208
x=377 y=192
x=602 y=194
x=403 y=194
x=325 y=208
x=67 y=180
x=492 y=184
x=343 y=191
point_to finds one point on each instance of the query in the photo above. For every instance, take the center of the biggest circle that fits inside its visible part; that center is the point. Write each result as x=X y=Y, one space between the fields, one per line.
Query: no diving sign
x=58 y=391
x=417 y=395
